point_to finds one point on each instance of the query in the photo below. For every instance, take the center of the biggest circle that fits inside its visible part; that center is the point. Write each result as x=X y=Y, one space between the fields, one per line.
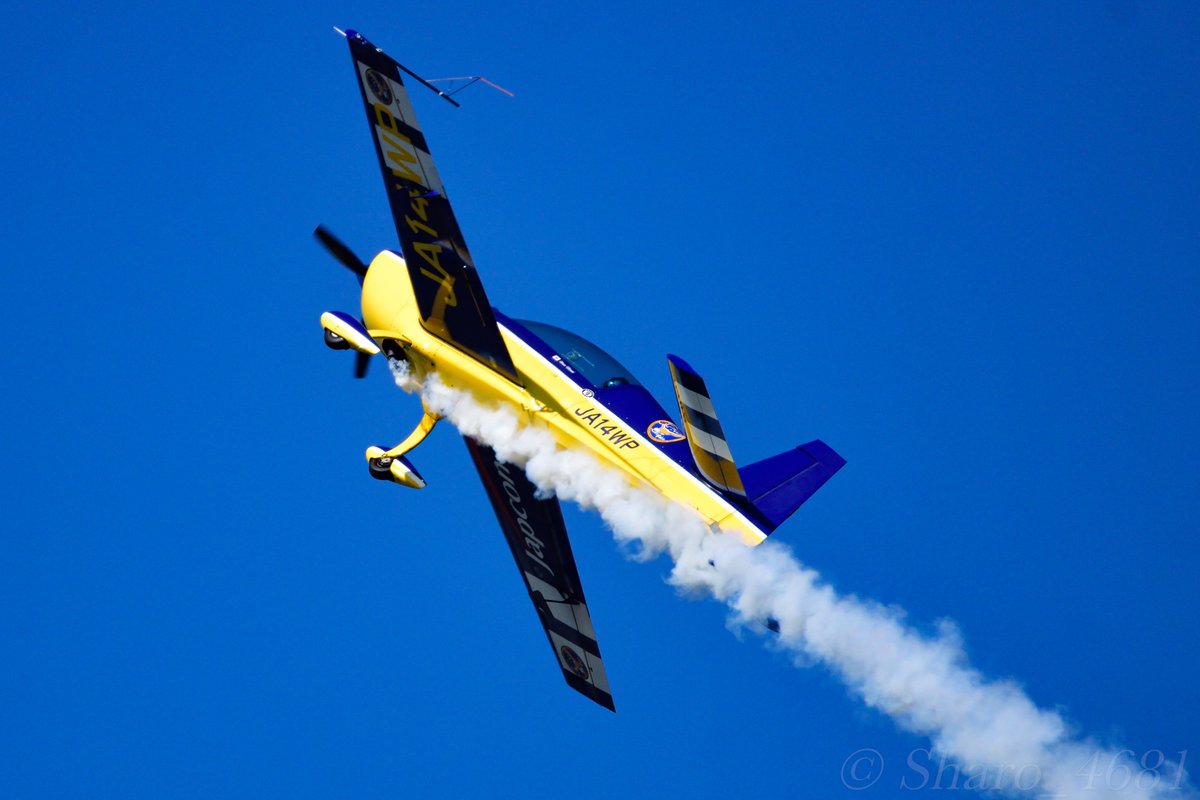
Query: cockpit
x=589 y=360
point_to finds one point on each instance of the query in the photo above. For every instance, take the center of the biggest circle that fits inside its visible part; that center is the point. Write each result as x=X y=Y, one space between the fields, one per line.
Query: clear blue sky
x=959 y=243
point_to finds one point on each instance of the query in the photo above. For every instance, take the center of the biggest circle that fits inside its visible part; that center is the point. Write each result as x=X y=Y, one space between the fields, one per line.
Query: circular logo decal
x=574 y=662
x=379 y=87
x=664 y=431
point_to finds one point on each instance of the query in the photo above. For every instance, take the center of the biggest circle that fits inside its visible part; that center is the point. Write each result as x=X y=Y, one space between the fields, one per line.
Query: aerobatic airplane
x=425 y=305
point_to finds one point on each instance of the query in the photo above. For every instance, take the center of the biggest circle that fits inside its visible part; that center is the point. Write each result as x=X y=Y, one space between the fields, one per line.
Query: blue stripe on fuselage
x=637 y=408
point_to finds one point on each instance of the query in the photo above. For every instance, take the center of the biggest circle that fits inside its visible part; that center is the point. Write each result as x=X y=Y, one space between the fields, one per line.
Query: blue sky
x=958 y=243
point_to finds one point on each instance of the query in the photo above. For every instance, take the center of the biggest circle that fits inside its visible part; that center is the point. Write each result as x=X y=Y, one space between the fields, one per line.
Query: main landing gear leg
x=391 y=465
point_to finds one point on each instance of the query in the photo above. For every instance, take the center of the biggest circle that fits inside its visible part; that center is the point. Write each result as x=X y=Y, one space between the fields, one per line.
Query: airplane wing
x=450 y=296
x=537 y=536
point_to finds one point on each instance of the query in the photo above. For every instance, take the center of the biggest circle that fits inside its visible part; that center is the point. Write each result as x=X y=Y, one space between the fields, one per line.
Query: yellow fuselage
x=547 y=399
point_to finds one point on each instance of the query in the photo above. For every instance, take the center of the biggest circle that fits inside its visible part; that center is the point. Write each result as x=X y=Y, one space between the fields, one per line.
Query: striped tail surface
x=776 y=486
x=710 y=450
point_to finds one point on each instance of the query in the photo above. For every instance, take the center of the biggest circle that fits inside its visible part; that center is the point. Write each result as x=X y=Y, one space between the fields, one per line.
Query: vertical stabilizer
x=775 y=486
x=710 y=451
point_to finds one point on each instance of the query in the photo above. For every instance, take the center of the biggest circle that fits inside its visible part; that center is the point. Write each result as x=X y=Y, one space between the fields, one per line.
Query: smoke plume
x=924 y=683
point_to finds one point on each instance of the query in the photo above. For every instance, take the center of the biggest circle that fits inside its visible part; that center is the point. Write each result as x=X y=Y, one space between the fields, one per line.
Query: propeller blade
x=361 y=362
x=341 y=252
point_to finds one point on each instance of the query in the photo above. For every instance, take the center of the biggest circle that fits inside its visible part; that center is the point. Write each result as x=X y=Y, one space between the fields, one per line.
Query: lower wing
x=537 y=536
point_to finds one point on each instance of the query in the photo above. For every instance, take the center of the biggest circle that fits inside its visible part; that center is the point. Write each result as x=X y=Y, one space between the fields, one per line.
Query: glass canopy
x=593 y=363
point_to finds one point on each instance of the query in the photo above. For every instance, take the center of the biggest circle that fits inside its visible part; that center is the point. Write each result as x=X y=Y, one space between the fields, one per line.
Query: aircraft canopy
x=593 y=363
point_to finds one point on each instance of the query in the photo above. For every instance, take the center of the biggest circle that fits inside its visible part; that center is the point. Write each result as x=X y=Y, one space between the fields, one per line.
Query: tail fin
x=710 y=451
x=776 y=486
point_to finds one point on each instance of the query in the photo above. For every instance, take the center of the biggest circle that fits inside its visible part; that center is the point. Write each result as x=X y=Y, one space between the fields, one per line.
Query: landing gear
x=391 y=465
x=380 y=468
x=335 y=342
x=397 y=470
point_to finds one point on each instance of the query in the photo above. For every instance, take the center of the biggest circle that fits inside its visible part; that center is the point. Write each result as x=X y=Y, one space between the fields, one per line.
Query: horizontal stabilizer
x=778 y=485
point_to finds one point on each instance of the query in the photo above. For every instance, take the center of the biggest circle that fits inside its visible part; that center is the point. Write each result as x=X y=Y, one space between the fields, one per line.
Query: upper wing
x=537 y=536
x=450 y=296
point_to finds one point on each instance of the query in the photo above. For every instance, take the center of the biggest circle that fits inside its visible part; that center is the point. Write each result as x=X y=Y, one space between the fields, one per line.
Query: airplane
x=425 y=305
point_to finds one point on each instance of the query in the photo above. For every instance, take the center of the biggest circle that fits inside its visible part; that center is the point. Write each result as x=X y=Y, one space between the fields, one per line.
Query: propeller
x=338 y=249
x=361 y=362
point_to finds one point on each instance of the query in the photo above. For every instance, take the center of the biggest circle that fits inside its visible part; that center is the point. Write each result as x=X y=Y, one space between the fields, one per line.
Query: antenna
x=470 y=80
x=429 y=84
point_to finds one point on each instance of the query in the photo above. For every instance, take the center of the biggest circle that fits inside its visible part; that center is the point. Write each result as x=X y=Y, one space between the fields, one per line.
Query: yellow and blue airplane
x=425 y=305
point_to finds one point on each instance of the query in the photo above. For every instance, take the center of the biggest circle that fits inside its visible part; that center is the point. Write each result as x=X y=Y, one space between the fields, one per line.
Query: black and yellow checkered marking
x=710 y=450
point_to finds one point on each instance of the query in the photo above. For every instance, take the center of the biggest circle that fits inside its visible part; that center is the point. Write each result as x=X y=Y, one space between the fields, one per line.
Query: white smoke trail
x=925 y=684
